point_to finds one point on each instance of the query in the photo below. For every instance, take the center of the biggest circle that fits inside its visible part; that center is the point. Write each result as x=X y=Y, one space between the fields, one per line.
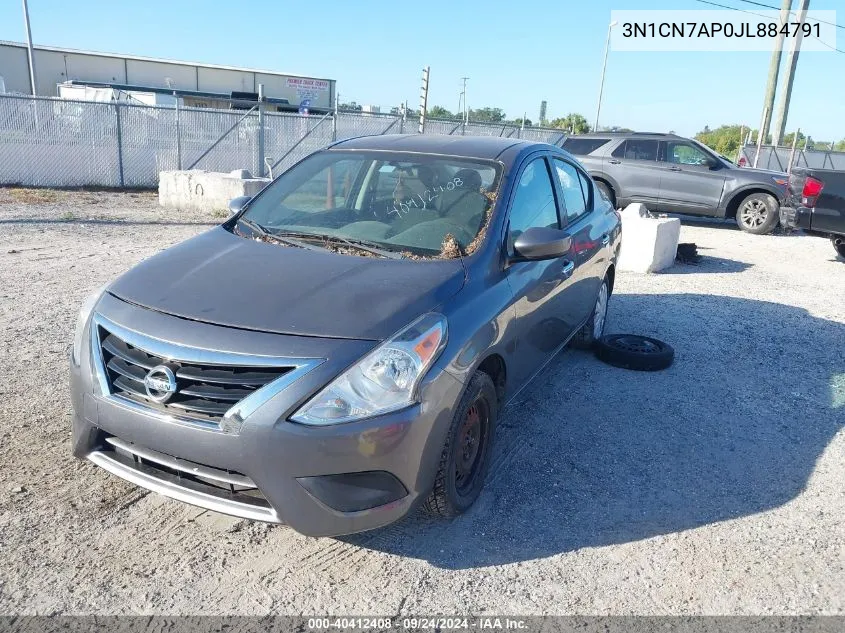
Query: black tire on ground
x=586 y=337
x=758 y=213
x=467 y=452
x=838 y=244
x=631 y=351
x=607 y=191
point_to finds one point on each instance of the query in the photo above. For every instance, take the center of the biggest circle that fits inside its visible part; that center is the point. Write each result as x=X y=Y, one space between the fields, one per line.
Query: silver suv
x=672 y=174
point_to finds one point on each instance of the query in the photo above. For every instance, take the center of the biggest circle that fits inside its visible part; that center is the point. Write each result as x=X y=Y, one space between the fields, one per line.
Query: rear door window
x=572 y=190
x=583 y=146
x=636 y=149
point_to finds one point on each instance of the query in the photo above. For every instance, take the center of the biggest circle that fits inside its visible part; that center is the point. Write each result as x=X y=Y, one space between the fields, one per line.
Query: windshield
x=422 y=204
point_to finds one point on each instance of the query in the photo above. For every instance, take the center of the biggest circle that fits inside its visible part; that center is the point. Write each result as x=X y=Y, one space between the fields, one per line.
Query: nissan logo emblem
x=160 y=384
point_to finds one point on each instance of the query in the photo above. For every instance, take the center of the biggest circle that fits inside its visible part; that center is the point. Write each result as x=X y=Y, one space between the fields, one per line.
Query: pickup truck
x=815 y=202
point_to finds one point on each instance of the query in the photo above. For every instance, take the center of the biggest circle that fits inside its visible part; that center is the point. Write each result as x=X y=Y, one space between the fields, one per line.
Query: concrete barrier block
x=202 y=190
x=648 y=244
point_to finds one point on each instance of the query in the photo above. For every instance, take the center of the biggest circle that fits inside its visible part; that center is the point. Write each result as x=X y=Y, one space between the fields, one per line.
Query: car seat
x=465 y=204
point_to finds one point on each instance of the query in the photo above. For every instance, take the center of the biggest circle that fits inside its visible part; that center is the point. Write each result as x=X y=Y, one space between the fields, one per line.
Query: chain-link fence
x=778 y=158
x=48 y=142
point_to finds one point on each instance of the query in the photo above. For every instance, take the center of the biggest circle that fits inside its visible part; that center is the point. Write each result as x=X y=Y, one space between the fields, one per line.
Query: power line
x=724 y=6
x=768 y=6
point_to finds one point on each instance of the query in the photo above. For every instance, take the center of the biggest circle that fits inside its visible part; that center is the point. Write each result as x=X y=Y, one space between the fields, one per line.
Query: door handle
x=605 y=239
x=567 y=271
x=613 y=161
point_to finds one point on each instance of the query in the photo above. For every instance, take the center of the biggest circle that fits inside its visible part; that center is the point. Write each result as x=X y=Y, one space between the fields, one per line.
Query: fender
x=742 y=192
x=598 y=174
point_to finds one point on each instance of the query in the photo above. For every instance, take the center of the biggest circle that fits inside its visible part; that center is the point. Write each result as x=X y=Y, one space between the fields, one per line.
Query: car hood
x=221 y=278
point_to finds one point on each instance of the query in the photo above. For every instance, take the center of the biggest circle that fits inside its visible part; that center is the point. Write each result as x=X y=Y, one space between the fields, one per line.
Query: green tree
x=828 y=145
x=518 y=121
x=439 y=112
x=787 y=140
x=725 y=139
x=572 y=122
x=487 y=115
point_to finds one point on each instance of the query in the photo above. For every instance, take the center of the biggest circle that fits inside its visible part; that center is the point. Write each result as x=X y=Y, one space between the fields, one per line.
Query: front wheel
x=838 y=244
x=593 y=329
x=466 y=454
x=758 y=214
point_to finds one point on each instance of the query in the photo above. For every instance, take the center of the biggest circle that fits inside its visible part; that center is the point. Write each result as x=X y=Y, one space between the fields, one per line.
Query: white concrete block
x=202 y=190
x=648 y=244
x=635 y=210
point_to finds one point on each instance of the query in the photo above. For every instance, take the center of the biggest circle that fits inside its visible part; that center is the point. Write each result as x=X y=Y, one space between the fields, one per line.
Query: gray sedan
x=338 y=351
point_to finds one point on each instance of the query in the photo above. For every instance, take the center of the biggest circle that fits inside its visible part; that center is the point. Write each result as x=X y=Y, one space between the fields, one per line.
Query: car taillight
x=811 y=191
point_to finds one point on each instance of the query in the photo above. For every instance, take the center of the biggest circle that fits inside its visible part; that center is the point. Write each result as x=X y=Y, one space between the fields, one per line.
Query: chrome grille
x=204 y=392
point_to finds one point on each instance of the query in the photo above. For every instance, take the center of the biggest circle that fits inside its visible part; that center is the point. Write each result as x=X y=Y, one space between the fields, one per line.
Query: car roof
x=626 y=135
x=484 y=147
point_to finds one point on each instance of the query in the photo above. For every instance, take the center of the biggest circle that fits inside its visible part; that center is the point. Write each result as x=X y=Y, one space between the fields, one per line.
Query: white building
x=68 y=71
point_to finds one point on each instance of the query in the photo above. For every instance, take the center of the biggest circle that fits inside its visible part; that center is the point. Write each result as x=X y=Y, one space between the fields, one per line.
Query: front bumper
x=271 y=469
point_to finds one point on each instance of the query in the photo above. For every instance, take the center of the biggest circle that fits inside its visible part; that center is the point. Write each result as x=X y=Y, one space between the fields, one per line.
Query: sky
x=516 y=54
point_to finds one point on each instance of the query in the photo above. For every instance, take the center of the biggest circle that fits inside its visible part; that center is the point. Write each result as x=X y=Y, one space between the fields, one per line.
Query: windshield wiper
x=255 y=227
x=363 y=245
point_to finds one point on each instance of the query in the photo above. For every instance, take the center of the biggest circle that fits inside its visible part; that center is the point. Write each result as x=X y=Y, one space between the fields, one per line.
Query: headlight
x=384 y=380
x=81 y=321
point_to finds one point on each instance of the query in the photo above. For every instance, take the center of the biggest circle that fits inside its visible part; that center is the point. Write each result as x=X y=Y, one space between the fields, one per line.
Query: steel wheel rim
x=754 y=213
x=601 y=312
x=638 y=345
x=470 y=445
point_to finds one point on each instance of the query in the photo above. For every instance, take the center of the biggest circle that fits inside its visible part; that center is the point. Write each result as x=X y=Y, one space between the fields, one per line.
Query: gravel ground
x=715 y=487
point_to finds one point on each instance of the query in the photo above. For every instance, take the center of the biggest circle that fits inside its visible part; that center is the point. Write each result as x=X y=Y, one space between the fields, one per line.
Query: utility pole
x=424 y=98
x=791 y=63
x=603 y=68
x=261 y=165
x=760 y=139
x=774 y=70
x=29 y=48
x=463 y=99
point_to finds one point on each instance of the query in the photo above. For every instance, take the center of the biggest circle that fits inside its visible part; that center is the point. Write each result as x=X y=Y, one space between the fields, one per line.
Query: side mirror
x=236 y=204
x=538 y=243
x=714 y=164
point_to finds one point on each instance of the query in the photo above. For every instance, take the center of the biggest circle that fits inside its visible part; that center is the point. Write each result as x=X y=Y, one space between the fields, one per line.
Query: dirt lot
x=714 y=487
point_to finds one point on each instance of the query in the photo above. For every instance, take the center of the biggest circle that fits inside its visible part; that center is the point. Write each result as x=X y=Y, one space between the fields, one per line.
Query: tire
x=631 y=351
x=593 y=329
x=838 y=242
x=460 y=476
x=607 y=191
x=758 y=213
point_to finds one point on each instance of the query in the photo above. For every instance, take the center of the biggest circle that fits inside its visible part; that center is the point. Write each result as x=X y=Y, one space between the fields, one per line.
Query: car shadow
x=707 y=264
x=592 y=455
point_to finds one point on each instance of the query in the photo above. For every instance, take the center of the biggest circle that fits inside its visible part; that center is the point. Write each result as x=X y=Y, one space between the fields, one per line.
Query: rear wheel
x=607 y=192
x=758 y=213
x=838 y=244
x=466 y=455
